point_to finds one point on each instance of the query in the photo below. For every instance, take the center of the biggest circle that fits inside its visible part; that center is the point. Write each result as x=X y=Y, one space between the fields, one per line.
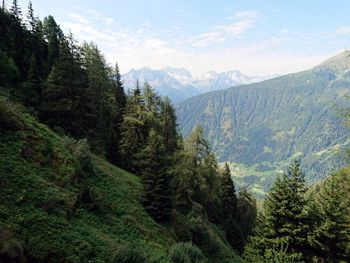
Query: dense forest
x=67 y=125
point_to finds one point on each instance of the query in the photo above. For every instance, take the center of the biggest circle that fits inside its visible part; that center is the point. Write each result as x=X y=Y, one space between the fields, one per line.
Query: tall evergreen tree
x=100 y=87
x=284 y=221
x=67 y=101
x=120 y=100
x=229 y=210
x=119 y=93
x=196 y=175
x=32 y=20
x=246 y=212
x=228 y=193
x=331 y=233
x=168 y=125
x=157 y=200
x=53 y=35
x=16 y=10
x=133 y=131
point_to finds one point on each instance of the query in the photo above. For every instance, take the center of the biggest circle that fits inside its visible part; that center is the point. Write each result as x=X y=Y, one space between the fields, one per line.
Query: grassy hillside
x=62 y=204
x=261 y=127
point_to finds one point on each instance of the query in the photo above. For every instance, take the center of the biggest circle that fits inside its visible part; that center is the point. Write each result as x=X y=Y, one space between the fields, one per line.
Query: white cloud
x=148 y=47
x=246 y=14
x=218 y=34
x=344 y=30
x=78 y=17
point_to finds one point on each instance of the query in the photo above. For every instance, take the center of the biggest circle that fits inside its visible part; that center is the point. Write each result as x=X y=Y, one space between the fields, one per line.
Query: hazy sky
x=258 y=37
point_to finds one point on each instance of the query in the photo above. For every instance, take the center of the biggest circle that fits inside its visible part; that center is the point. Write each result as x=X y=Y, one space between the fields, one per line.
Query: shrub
x=185 y=253
x=129 y=254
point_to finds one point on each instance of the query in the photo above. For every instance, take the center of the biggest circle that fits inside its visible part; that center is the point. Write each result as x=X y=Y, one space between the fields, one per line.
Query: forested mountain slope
x=262 y=126
x=59 y=203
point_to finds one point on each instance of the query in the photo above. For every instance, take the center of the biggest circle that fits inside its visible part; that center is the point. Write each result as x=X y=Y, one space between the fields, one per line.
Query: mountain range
x=179 y=84
x=259 y=128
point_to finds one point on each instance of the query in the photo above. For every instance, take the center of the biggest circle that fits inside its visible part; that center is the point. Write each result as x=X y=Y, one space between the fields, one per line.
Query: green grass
x=60 y=210
x=40 y=199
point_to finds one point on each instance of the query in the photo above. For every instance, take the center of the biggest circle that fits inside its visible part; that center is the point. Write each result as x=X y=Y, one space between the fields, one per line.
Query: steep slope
x=262 y=126
x=59 y=203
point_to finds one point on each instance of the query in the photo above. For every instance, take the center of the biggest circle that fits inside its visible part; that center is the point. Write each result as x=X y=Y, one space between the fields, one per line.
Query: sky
x=257 y=37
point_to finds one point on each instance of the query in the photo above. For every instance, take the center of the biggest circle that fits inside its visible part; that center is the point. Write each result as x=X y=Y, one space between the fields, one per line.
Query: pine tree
x=156 y=201
x=133 y=132
x=246 y=212
x=229 y=210
x=120 y=100
x=168 y=125
x=285 y=221
x=16 y=11
x=196 y=177
x=32 y=20
x=100 y=87
x=119 y=93
x=332 y=231
x=32 y=90
x=228 y=193
x=53 y=35
x=67 y=101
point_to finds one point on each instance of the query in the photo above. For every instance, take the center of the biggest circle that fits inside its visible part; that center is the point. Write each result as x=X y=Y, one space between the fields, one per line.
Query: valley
x=259 y=128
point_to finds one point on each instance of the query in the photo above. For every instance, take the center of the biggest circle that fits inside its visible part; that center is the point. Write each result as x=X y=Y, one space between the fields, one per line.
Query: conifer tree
x=229 y=210
x=67 y=102
x=168 y=125
x=32 y=20
x=133 y=131
x=16 y=11
x=156 y=201
x=246 y=212
x=196 y=176
x=54 y=36
x=228 y=193
x=118 y=108
x=100 y=87
x=284 y=221
x=119 y=93
x=332 y=231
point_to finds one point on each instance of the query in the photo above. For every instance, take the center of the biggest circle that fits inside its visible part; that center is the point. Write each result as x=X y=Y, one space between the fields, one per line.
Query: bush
x=185 y=253
x=80 y=150
x=129 y=254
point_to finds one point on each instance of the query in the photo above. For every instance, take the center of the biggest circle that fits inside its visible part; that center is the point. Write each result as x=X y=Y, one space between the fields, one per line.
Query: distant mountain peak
x=179 y=84
x=340 y=61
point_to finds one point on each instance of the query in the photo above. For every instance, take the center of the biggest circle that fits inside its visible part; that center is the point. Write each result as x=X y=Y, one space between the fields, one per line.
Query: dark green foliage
x=53 y=35
x=246 y=212
x=186 y=253
x=113 y=144
x=8 y=71
x=129 y=254
x=41 y=198
x=196 y=178
x=284 y=220
x=155 y=180
x=168 y=125
x=133 y=131
x=67 y=99
x=229 y=211
x=228 y=194
x=331 y=233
